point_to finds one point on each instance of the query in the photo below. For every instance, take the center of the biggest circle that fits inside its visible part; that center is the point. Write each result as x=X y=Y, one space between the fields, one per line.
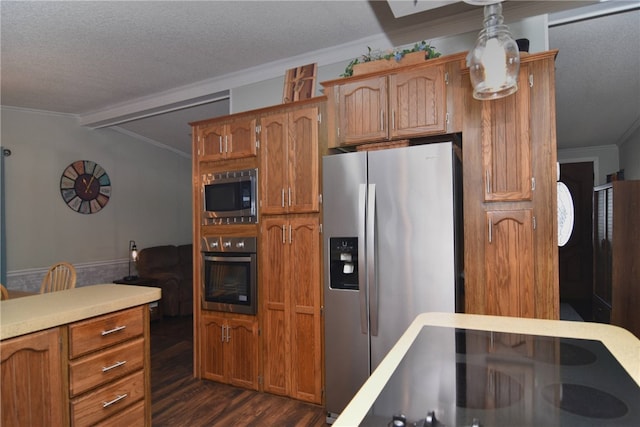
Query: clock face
x=85 y=186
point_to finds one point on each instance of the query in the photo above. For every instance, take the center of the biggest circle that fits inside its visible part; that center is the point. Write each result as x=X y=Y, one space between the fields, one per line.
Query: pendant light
x=494 y=62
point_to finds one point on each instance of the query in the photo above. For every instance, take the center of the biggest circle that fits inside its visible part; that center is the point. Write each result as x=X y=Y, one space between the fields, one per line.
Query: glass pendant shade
x=494 y=62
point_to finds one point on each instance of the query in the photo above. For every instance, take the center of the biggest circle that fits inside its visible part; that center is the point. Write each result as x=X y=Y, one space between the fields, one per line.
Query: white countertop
x=38 y=312
x=620 y=342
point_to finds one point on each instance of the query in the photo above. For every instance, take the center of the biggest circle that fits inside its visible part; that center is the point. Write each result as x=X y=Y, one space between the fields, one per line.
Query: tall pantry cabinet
x=290 y=256
x=616 y=237
x=279 y=350
x=510 y=231
x=225 y=344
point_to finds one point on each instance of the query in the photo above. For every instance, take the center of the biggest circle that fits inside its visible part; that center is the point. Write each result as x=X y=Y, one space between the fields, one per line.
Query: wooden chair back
x=60 y=276
x=4 y=292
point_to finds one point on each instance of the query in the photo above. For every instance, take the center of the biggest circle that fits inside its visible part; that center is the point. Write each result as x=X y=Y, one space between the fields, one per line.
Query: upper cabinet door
x=273 y=164
x=231 y=140
x=211 y=140
x=289 y=162
x=303 y=161
x=417 y=102
x=241 y=139
x=506 y=145
x=362 y=111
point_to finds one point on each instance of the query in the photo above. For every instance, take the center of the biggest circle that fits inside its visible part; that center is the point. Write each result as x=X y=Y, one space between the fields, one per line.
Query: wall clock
x=85 y=186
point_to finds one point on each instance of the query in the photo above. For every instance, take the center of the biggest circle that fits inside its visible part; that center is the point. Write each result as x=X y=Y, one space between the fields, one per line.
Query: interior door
x=576 y=257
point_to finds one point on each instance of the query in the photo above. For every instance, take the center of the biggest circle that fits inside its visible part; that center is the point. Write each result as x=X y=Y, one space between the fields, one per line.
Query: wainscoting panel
x=90 y=273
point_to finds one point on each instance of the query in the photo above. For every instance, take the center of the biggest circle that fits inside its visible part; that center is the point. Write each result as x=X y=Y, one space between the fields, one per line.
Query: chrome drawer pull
x=110 y=331
x=115 y=365
x=117 y=399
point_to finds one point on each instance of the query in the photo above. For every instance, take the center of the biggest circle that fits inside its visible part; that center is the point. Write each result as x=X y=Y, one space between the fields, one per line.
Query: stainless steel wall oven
x=229 y=274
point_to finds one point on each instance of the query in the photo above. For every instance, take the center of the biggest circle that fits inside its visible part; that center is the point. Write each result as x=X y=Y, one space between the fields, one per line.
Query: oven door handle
x=240 y=258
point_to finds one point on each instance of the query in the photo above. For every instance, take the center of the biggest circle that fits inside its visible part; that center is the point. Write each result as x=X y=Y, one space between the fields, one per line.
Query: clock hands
x=87 y=189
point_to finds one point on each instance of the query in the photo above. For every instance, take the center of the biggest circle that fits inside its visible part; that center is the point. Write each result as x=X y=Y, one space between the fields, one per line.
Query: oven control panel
x=229 y=244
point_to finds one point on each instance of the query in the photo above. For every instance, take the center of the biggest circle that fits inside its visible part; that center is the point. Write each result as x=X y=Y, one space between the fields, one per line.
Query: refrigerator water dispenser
x=343 y=258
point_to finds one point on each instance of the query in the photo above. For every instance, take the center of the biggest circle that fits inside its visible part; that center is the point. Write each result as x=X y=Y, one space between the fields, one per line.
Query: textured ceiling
x=78 y=57
x=114 y=59
x=597 y=79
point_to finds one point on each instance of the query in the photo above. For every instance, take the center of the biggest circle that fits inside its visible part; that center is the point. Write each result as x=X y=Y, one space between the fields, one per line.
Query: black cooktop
x=461 y=377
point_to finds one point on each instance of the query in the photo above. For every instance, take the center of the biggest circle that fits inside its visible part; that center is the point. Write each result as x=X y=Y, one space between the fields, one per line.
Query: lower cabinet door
x=241 y=353
x=230 y=349
x=292 y=353
x=304 y=290
x=509 y=279
x=213 y=346
x=31 y=385
x=275 y=299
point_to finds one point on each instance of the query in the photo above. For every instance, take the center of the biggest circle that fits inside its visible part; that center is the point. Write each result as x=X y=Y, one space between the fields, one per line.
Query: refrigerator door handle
x=371 y=266
x=362 y=292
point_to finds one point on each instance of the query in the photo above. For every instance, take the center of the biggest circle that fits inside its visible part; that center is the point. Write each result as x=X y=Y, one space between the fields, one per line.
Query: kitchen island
x=508 y=370
x=77 y=357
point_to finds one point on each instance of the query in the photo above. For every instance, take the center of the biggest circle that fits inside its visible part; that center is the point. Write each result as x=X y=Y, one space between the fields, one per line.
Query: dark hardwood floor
x=178 y=399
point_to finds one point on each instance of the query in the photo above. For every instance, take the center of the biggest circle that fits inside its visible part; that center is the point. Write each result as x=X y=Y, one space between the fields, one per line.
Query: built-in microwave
x=230 y=197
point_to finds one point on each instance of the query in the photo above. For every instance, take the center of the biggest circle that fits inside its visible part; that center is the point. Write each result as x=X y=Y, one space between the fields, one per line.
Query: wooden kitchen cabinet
x=88 y=372
x=616 y=253
x=230 y=349
x=417 y=102
x=33 y=380
x=506 y=145
x=362 y=110
x=408 y=102
x=109 y=366
x=289 y=177
x=510 y=197
x=219 y=140
x=508 y=281
x=292 y=353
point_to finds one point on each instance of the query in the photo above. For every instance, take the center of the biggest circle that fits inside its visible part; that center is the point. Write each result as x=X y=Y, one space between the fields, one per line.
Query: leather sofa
x=171 y=269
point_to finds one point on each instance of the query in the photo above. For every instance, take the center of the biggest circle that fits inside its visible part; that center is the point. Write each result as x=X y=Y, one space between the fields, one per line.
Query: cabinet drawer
x=107 y=401
x=99 y=368
x=133 y=416
x=103 y=331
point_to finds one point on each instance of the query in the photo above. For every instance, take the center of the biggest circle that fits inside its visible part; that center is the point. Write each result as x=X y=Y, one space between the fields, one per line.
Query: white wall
x=150 y=201
x=269 y=92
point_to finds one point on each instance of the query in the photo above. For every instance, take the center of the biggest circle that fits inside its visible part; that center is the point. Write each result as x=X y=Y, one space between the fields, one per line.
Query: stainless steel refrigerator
x=393 y=249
